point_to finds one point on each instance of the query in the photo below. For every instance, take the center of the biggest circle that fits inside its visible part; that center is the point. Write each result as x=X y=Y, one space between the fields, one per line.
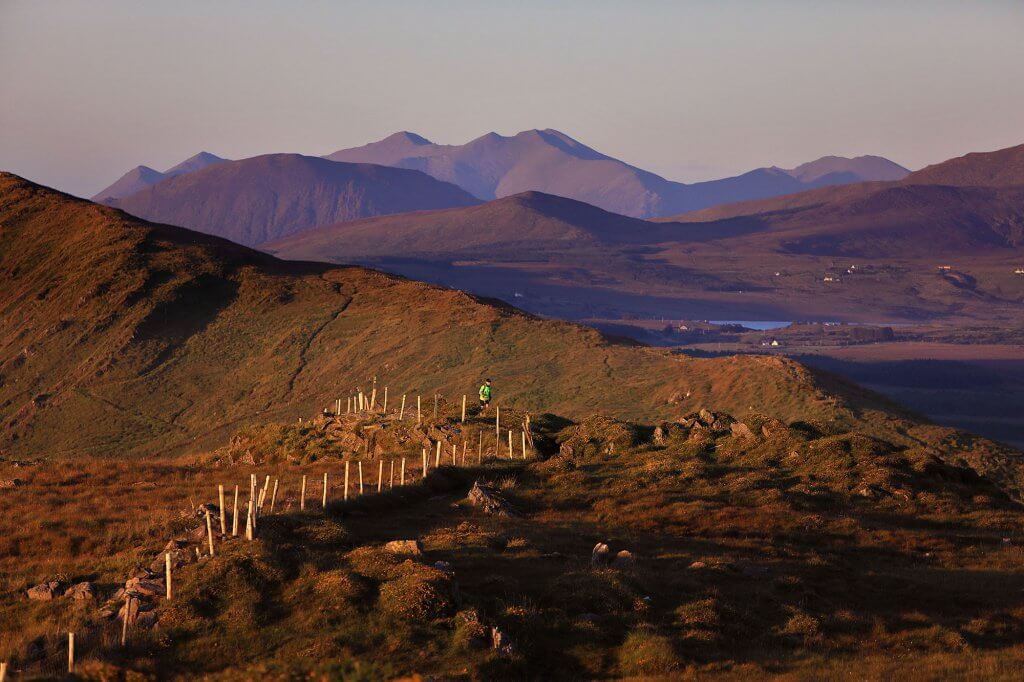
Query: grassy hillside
x=119 y=337
x=752 y=550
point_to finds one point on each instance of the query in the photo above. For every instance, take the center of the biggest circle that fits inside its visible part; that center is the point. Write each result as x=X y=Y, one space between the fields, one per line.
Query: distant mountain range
x=270 y=197
x=141 y=177
x=974 y=202
x=549 y=161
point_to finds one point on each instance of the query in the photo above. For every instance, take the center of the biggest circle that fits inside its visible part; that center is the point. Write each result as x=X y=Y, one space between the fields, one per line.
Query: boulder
x=45 y=591
x=600 y=555
x=741 y=430
x=146 y=588
x=404 y=547
x=706 y=416
x=81 y=591
x=488 y=500
x=624 y=560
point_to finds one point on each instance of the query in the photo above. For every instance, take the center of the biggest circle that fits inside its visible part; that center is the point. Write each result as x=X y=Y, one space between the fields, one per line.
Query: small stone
x=148 y=588
x=741 y=430
x=600 y=554
x=405 y=547
x=81 y=591
x=45 y=591
x=624 y=559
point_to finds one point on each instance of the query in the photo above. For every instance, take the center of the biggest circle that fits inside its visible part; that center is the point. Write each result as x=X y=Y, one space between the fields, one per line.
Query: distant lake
x=760 y=325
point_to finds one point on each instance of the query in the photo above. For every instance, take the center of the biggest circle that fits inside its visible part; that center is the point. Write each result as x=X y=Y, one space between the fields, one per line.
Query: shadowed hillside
x=524 y=224
x=273 y=196
x=122 y=337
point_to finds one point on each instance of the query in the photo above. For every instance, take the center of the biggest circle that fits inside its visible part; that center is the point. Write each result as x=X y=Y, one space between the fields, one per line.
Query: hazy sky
x=691 y=90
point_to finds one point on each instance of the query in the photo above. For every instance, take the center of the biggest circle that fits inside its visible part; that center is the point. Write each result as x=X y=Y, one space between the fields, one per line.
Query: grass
x=751 y=562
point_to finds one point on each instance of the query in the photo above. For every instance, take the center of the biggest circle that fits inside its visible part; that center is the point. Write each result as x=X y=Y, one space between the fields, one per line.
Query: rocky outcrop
x=45 y=591
x=489 y=501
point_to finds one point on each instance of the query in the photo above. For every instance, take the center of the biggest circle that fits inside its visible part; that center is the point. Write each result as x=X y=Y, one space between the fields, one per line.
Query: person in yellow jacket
x=485 y=395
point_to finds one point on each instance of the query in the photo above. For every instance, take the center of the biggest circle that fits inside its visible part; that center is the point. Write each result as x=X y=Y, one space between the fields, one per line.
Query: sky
x=690 y=90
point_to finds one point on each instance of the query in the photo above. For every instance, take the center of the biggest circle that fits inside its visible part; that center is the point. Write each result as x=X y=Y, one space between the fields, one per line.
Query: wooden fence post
x=209 y=530
x=524 y=444
x=435 y=406
x=348 y=405
x=71 y=651
x=302 y=496
x=497 y=421
x=463 y=452
x=167 y=575
x=384 y=408
x=401 y=412
x=463 y=408
x=223 y=512
x=273 y=497
x=437 y=456
x=373 y=398
x=325 y=491
x=419 y=415
x=380 y=475
x=249 y=526
x=263 y=495
x=391 y=476
x=454 y=450
x=360 y=463
x=402 y=479
x=3 y=671
x=424 y=468
x=510 y=443
x=234 y=516
x=346 y=481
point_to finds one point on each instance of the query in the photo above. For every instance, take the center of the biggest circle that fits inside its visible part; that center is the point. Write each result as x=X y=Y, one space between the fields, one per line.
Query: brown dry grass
x=755 y=559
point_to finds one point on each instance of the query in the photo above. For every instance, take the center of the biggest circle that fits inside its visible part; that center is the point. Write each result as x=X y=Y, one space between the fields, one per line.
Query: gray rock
x=147 y=588
x=487 y=499
x=81 y=591
x=45 y=591
x=741 y=430
x=405 y=547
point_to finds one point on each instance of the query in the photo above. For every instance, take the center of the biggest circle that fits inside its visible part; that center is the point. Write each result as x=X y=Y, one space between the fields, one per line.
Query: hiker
x=485 y=395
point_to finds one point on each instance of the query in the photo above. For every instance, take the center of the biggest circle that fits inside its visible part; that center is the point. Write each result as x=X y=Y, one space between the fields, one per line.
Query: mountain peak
x=407 y=137
x=193 y=163
x=831 y=168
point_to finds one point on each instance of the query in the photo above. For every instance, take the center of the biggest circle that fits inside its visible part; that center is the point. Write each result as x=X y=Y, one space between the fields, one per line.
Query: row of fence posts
x=258 y=497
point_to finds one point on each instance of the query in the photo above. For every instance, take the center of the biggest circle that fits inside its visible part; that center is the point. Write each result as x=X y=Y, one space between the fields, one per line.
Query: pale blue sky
x=691 y=90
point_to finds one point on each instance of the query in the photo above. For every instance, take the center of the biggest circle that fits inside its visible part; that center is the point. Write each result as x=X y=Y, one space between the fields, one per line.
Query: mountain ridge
x=269 y=197
x=493 y=166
